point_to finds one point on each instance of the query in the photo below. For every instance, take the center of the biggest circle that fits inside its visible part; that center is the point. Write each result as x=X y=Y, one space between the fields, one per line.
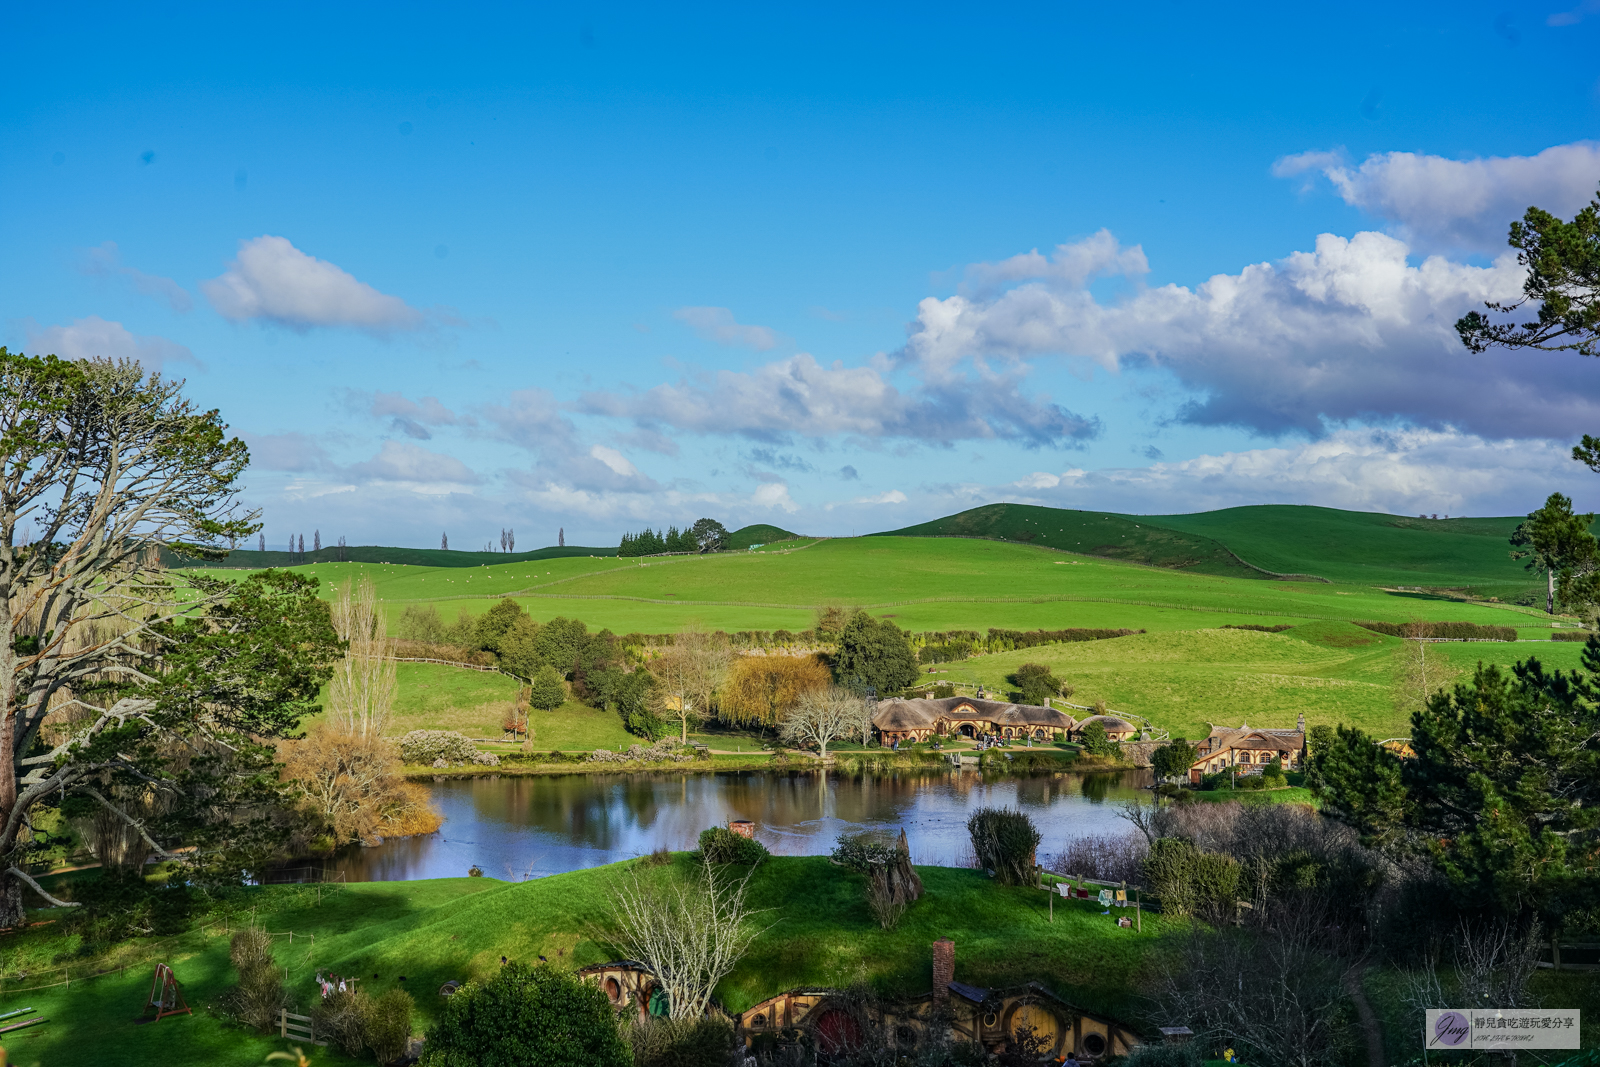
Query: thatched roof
x=1112 y=724
x=923 y=714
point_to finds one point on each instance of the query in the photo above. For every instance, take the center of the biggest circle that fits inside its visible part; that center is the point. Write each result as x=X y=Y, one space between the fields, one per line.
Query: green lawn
x=433 y=931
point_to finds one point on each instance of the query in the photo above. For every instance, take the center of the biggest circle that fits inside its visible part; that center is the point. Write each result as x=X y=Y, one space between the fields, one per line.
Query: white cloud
x=798 y=396
x=1438 y=203
x=1403 y=472
x=415 y=467
x=893 y=496
x=94 y=337
x=774 y=495
x=718 y=325
x=105 y=262
x=1072 y=265
x=1350 y=331
x=274 y=281
x=615 y=460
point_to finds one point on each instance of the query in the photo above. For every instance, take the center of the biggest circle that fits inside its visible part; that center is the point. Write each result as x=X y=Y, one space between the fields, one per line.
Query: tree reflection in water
x=530 y=827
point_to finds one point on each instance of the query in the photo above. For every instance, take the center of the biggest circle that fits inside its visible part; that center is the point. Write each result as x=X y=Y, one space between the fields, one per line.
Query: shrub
x=259 y=995
x=526 y=1015
x=1173 y=760
x=421 y=623
x=1036 y=683
x=1006 y=843
x=660 y=1042
x=388 y=1024
x=665 y=749
x=548 y=692
x=721 y=845
x=1278 y=629
x=341 y=1017
x=1095 y=741
x=1571 y=635
x=429 y=746
x=864 y=852
x=1189 y=881
x=1448 y=631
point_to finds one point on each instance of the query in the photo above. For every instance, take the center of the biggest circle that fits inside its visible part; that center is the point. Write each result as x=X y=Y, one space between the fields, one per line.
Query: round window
x=613 y=990
x=759 y=1020
x=1094 y=1044
x=905 y=1036
x=990 y=1018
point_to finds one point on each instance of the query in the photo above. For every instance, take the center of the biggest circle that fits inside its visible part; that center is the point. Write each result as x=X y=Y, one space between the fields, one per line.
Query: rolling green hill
x=1094 y=533
x=759 y=534
x=1269 y=541
x=1366 y=548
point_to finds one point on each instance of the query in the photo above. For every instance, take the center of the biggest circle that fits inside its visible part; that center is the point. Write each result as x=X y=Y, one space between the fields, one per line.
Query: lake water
x=517 y=828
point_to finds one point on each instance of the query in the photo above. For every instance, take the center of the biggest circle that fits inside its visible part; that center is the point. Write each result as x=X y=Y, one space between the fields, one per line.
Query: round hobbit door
x=1034 y=1028
x=1094 y=1044
x=613 y=990
x=836 y=1032
x=659 y=1005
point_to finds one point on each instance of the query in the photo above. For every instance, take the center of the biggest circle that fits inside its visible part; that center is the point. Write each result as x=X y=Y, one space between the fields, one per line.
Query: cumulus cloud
x=273 y=281
x=1074 y=264
x=415 y=466
x=106 y=262
x=718 y=325
x=773 y=495
x=1350 y=331
x=1440 y=203
x=1404 y=472
x=94 y=337
x=800 y=397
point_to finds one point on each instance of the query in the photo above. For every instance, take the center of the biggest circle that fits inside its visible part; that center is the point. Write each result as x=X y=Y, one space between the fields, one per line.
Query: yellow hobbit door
x=1034 y=1029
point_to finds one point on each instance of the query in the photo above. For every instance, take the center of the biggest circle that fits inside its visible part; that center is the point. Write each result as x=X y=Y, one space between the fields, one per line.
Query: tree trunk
x=1550 y=592
x=11 y=910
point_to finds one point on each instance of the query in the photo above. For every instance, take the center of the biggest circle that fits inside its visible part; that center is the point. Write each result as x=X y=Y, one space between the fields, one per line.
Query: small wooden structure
x=165 y=995
x=297 y=1027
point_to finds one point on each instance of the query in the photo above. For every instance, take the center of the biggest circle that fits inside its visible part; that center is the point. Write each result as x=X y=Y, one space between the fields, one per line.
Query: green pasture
x=1187 y=671
x=820 y=933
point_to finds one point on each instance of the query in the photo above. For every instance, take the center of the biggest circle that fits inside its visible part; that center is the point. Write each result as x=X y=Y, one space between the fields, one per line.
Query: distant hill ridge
x=250 y=559
x=1266 y=541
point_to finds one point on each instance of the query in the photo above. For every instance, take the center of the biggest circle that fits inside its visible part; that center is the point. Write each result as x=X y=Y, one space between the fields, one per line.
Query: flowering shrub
x=431 y=746
x=665 y=749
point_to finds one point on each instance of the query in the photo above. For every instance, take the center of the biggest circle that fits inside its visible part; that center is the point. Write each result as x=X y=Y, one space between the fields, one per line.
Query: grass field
x=1186 y=671
x=431 y=931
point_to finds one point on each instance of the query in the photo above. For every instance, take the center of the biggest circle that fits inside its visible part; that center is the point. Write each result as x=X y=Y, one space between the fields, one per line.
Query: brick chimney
x=944 y=970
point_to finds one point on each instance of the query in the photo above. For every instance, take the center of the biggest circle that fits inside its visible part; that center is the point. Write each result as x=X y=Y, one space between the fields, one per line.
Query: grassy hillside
x=759 y=534
x=1093 y=533
x=433 y=931
x=1367 y=548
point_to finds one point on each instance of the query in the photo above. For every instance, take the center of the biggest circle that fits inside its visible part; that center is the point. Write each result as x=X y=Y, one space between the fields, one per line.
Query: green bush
x=1189 y=881
x=1571 y=635
x=526 y=1015
x=387 y=1020
x=865 y=851
x=721 y=845
x=680 y=1042
x=1036 y=683
x=547 y=691
x=426 y=746
x=1006 y=843
x=1448 y=631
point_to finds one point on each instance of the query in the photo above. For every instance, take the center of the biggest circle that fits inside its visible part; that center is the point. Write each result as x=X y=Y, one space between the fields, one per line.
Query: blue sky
x=835 y=268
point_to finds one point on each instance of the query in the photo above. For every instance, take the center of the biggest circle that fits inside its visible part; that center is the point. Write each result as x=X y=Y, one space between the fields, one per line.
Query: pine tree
x=561 y=537
x=316 y=540
x=511 y=540
x=302 y=548
x=261 y=543
x=444 y=542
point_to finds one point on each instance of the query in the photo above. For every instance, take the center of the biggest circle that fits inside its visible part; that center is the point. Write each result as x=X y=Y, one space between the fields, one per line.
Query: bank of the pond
x=419 y=935
x=1002 y=761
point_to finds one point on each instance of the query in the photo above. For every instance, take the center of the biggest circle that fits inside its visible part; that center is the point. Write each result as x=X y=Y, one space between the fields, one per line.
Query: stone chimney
x=1300 y=723
x=944 y=970
x=743 y=827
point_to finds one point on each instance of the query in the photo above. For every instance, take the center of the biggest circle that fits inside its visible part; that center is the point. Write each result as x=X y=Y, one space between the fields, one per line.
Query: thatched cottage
x=929 y=717
x=1249 y=749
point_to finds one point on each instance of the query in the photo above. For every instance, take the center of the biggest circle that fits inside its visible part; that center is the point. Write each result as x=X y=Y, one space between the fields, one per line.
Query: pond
x=515 y=828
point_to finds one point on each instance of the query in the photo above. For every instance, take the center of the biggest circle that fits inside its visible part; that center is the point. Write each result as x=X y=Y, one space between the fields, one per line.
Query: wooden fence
x=297 y=1026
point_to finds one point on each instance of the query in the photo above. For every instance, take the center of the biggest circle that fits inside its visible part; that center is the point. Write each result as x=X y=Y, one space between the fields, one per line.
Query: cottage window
x=759 y=1020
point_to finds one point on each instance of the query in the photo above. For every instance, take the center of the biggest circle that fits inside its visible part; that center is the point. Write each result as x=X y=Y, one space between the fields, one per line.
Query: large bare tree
x=111 y=675
x=822 y=717
x=690 y=930
x=688 y=675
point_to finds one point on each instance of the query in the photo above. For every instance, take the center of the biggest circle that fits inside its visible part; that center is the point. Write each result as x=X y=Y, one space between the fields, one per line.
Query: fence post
x=283 y=1022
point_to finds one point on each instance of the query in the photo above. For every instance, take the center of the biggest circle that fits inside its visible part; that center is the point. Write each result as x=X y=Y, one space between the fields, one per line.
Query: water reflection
x=516 y=828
